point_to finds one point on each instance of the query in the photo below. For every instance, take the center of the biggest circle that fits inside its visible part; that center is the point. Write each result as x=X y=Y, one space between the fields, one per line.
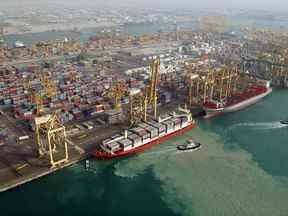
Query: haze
x=240 y=4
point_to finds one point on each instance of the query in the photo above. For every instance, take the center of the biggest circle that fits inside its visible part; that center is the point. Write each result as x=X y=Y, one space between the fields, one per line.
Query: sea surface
x=242 y=170
x=235 y=23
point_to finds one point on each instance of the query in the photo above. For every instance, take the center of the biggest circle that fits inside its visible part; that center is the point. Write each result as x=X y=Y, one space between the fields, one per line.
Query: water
x=242 y=169
x=138 y=29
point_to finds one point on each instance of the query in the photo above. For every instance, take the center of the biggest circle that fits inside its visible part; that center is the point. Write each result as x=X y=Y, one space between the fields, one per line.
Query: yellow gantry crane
x=151 y=91
x=139 y=101
x=136 y=106
x=208 y=84
x=200 y=87
x=49 y=86
x=212 y=84
x=35 y=98
x=50 y=135
x=117 y=92
x=226 y=81
x=38 y=100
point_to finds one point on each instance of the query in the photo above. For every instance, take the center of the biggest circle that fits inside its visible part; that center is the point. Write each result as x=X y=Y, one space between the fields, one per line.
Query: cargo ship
x=145 y=135
x=237 y=101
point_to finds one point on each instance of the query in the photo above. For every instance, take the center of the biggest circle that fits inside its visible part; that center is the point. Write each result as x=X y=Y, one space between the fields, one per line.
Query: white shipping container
x=21 y=138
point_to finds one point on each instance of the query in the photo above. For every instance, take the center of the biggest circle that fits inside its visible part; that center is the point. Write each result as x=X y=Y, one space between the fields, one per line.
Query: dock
x=19 y=163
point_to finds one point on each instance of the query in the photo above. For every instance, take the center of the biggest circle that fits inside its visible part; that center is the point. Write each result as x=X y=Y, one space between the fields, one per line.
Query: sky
x=241 y=4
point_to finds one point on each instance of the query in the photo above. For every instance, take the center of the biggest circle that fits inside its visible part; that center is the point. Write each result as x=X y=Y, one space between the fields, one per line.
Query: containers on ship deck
x=160 y=127
x=106 y=141
x=151 y=130
x=116 y=136
x=177 y=123
x=184 y=121
x=113 y=146
x=142 y=133
x=169 y=126
x=126 y=144
x=137 y=140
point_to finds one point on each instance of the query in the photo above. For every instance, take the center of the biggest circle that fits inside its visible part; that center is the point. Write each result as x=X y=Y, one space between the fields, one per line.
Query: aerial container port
x=112 y=96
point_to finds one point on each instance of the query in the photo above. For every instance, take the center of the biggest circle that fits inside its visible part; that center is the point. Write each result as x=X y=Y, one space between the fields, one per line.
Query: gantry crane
x=200 y=86
x=38 y=101
x=49 y=86
x=136 y=106
x=226 y=81
x=208 y=82
x=35 y=98
x=139 y=101
x=193 y=89
x=212 y=84
x=151 y=91
x=116 y=92
x=50 y=137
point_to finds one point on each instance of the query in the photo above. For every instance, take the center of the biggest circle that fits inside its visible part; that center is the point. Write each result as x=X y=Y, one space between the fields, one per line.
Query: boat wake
x=188 y=184
x=159 y=152
x=259 y=125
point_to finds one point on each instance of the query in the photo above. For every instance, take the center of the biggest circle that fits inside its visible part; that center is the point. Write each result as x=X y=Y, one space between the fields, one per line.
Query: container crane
x=35 y=98
x=117 y=92
x=151 y=91
x=50 y=137
x=49 y=86
x=136 y=106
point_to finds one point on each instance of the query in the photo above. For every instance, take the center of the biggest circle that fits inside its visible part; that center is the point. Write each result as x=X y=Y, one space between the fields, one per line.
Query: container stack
x=113 y=116
x=137 y=140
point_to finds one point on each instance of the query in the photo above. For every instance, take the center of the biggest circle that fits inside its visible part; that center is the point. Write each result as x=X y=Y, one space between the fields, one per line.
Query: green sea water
x=242 y=170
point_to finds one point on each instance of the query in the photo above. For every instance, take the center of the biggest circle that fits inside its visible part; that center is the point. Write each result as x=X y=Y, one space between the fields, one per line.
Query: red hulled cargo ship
x=237 y=101
x=145 y=135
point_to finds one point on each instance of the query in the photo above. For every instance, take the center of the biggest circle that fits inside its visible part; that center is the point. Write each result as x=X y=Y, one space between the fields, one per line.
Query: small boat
x=190 y=146
x=285 y=122
x=19 y=44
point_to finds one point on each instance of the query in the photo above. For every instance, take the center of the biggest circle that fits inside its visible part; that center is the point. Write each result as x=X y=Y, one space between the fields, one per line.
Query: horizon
x=264 y=5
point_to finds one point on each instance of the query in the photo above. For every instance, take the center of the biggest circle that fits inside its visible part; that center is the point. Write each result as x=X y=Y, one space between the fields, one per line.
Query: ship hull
x=236 y=107
x=106 y=156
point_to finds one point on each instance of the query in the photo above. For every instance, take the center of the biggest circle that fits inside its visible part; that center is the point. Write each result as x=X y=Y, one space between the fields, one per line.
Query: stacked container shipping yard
x=76 y=92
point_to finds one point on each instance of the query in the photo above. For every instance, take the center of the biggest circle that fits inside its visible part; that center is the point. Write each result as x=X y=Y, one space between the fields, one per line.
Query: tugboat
x=285 y=122
x=190 y=146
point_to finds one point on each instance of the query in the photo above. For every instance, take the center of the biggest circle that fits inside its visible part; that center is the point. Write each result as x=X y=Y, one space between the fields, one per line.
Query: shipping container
x=126 y=144
x=137 y=140
x=114 y=146
x=22 y=138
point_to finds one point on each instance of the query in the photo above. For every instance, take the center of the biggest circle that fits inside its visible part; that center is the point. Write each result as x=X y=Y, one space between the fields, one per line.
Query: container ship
x=237 y=101
x=145 y=135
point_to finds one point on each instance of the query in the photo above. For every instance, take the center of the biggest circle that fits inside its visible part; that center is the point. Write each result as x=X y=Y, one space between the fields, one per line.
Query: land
x=77 y=81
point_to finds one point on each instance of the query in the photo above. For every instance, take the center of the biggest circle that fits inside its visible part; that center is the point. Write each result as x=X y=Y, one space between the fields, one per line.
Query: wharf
x=19 y=163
